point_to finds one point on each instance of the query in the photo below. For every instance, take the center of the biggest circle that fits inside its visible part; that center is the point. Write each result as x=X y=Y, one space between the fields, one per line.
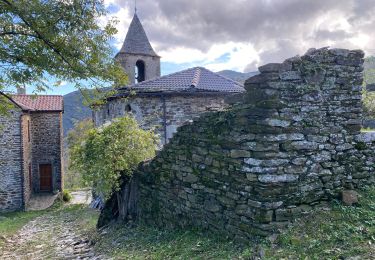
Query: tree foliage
x=369 y=78
x=72 y=178
x=59 y=38
x=5 y=105
x=79 y=132
x=104 y=155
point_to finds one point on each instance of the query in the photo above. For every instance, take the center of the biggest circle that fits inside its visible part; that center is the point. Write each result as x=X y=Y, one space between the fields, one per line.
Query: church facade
x=167 y=102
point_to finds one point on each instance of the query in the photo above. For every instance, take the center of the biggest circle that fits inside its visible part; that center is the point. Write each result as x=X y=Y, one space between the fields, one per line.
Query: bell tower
x=137 y=56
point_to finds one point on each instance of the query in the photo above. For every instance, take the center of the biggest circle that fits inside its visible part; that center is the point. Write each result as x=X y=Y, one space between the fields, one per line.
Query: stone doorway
x=45 y=171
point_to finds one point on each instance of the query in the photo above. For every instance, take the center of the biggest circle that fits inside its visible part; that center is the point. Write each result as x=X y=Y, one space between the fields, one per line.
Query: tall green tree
x=102 y=156
x=369 y=78
x=66 y=40
x=73 y=179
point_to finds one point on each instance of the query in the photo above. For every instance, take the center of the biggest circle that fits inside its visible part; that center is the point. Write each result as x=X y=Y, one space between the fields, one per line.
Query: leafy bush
x=72 y=178
x=66 y=196
x=369 y=78
x=106 y=154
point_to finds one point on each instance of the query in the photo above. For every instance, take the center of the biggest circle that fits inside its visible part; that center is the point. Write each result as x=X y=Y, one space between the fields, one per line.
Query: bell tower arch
x=137 y=56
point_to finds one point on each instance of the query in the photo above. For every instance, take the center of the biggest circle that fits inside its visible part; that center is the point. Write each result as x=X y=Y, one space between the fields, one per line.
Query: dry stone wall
x=289 y=144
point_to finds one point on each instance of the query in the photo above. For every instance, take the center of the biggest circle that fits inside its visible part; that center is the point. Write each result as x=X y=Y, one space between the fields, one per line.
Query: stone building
x=166 y=102
x=30 y=149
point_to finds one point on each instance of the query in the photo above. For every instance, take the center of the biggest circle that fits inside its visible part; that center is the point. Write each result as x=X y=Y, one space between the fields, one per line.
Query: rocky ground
x=57 y=234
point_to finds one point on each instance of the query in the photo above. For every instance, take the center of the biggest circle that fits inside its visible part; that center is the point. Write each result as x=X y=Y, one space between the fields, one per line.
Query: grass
x=332 y=234
x=11 y=223
x=337 y=233
x=366 y=130
x=152 y=243
x=15 y=221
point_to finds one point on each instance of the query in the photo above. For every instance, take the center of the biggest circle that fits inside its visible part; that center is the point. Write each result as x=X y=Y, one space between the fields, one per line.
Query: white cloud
x=239 y=56
x=250 y=33
x=236 y=56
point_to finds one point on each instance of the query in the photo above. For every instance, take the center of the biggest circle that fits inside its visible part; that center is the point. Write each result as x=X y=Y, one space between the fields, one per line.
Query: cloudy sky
x=244 y=34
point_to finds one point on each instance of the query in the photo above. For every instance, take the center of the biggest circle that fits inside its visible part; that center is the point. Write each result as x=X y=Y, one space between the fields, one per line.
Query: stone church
x=30 y=149
x=165 y=102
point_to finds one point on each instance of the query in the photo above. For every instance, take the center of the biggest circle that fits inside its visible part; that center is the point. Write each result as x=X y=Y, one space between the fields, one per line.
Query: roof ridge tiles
x=196 y=78
x=201 y=79
x=153 y=79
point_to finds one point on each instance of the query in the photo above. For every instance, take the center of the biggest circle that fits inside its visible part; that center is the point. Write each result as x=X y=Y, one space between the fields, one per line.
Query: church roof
x=196 y=79
x=136 y=41
x=39 y=102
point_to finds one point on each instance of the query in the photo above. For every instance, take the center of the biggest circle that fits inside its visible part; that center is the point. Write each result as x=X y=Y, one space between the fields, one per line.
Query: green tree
x=105 y=155
x=369 y=78
x=72 y=178
x=63 y=39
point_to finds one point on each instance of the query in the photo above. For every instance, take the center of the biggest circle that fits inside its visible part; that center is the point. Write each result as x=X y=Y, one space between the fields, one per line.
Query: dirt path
x=57 y=234
x=81 y=197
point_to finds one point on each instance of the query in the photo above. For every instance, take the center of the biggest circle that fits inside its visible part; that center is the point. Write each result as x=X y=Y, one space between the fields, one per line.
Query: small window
x=128 y=108
x=139 y=71
x=108 y=110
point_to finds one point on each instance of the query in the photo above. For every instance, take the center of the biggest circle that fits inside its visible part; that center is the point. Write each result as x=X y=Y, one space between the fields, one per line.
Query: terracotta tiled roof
x=39 y=102
x=196 y=79
x=136 y=41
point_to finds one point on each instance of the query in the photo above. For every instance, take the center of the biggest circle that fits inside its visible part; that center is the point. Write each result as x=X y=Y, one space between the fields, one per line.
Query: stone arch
x=128 y=108
x=140 y=71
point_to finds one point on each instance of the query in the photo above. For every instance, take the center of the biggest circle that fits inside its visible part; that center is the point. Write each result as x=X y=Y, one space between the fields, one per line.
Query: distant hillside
x=237 y=76
x=75 y=111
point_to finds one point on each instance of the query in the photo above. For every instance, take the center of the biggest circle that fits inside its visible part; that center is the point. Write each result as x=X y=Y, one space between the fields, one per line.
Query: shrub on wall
x=105 y=154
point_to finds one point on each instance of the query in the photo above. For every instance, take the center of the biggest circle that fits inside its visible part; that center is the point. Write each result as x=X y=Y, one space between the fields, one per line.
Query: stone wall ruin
x=291 y=142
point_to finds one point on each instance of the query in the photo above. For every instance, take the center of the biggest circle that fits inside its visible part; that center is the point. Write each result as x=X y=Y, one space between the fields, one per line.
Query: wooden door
x=45 y=171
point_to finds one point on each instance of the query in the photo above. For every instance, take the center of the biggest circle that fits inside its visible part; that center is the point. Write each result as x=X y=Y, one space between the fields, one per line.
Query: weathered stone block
x=349 y=197
x=239 y=153
x=267 y=178
x=290 y=75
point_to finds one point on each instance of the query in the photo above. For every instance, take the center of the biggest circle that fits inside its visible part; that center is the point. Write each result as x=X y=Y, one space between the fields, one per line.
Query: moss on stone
x=360 y=146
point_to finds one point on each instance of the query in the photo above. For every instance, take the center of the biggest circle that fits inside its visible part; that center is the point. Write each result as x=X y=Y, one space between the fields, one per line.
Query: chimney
x=21 y=90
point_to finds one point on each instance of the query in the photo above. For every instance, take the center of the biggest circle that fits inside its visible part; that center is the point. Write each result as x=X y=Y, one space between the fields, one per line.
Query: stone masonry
x=10 y=161
x=47 y=147
x=165 y=113
x=26 y=156
x=291 y=142
x=128 y=61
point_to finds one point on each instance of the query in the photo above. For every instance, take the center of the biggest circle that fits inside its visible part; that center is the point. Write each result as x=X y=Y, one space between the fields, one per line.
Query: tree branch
x=17 y=33
x=38 y=34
